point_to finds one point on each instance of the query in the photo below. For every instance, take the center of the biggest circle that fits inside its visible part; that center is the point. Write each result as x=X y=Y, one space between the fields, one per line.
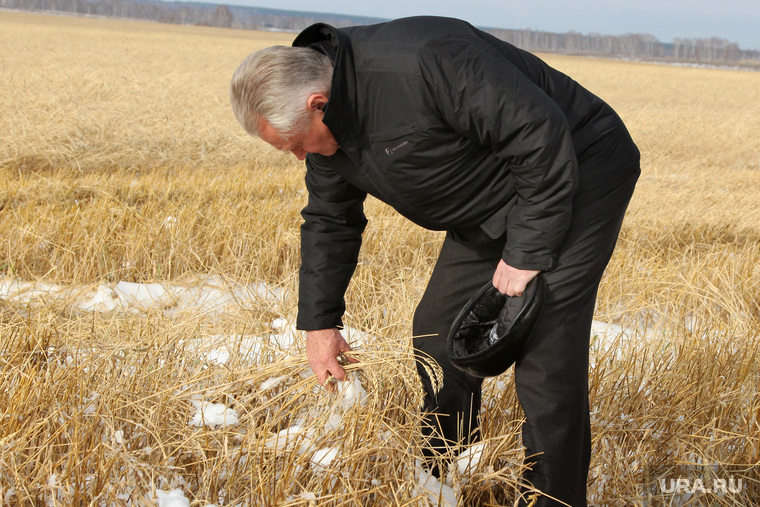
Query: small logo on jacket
x=391 y=151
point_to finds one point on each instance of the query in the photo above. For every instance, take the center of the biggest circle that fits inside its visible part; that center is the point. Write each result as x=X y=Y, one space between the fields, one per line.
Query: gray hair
x=274 y=84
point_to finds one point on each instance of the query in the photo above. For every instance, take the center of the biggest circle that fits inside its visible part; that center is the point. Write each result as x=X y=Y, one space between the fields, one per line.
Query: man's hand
x=512 y=281
x=322 y=349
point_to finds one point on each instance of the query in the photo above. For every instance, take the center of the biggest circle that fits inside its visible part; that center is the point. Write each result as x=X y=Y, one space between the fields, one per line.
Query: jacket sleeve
x=331 y=237
x=480 y=94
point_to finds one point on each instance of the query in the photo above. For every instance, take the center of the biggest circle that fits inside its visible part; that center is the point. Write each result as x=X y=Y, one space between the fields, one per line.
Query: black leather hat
x=491 y=331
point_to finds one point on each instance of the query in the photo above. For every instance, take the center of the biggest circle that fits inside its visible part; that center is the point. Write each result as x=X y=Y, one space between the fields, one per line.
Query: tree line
x=633 y=45
x=639 y=46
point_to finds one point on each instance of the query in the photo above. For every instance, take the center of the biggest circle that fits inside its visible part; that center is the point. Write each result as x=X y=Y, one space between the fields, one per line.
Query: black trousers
x=552 y=376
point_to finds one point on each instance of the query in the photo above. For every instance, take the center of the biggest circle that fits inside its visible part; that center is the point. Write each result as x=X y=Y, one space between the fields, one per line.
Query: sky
x=735 y=20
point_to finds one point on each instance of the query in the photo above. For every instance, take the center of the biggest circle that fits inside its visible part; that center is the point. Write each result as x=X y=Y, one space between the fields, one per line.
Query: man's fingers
x=506 y=286
x=344 y=358
x=328 y=352
x=326 y=380
x=512 y=281
x=337 y=372
x=329 y=383
x=331 y=374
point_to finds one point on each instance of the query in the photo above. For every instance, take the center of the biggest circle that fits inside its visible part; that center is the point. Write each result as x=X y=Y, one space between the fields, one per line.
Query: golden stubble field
x=120 y=161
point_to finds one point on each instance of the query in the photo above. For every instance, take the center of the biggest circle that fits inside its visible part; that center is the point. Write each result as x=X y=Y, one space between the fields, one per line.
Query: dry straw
x=120 y=160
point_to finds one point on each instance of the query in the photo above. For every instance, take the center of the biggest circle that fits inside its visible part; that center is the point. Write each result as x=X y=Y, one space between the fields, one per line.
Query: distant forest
x=712 y=50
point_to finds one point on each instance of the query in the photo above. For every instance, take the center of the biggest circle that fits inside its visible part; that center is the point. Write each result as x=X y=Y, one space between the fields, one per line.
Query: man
x=526 y=170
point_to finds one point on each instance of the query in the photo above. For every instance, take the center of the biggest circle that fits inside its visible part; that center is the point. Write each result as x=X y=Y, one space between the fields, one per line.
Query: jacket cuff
x=304 y=323
x=521 y=260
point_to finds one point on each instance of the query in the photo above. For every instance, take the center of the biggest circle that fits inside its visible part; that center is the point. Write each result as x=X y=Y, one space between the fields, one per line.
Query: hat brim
x=492 y=330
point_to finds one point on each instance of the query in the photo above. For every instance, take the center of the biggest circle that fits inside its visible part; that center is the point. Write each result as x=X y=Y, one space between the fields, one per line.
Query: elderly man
x=526 y=170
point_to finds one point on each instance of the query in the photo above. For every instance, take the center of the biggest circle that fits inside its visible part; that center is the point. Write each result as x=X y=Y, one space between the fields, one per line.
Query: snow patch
x=289 y=437
x=351 y=393
x=213 y=414
x=103 y=301
x=273 y=382
x=211 y=295
x=173 y=498
x=142 y=296
x=322 y=458
x=469 y=459
x=438 y=494
x=26 y=292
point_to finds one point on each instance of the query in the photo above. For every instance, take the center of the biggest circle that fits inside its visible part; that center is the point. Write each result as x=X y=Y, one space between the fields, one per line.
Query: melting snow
x=26 y=292
x=212 y=295
x=142 y=296
x=469 y=459
x=104 y=300
x=323 y=457
x=438 y=493
x=273 y=382
x=173 y=498
x=213 y=414
x=351 y=392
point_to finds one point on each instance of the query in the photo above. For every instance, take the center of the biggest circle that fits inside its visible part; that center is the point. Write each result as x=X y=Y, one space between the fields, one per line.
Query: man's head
x=278 y=94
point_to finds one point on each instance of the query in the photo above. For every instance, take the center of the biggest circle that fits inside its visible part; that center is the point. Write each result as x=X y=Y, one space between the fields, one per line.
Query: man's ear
x=317 y=101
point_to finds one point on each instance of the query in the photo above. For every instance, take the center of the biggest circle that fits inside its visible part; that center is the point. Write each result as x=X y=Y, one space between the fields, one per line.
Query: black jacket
x=456 y=130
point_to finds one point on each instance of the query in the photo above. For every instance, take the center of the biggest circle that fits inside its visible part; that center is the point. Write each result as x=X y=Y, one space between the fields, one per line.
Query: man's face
x=317 y=139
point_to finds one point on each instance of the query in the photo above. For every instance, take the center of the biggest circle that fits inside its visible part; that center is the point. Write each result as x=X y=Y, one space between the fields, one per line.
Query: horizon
x=733 y=20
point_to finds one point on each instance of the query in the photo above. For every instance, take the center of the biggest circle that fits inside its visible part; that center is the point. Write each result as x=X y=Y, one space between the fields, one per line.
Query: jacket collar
x=340 y=110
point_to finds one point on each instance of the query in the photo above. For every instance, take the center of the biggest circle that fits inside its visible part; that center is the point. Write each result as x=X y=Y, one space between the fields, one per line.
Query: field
x=148 y=262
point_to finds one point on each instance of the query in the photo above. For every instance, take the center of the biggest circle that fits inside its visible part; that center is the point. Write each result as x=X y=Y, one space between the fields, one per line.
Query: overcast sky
x=735 y=20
